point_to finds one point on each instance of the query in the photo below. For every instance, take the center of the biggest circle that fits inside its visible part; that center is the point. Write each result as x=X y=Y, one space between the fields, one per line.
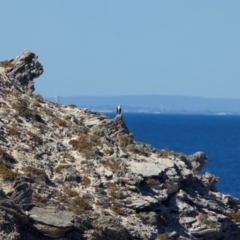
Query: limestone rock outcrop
x=69 y=173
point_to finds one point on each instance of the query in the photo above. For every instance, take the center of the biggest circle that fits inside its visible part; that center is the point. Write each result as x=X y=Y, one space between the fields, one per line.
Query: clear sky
x=107 y=47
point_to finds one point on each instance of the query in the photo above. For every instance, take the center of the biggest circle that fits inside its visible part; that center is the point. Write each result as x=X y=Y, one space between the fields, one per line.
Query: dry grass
x=7 y=174
x=124 y=140
x=69 y=192
x=40 y=199
x=162 y=236
x=235 y=216
x=61 y=167
x=85 y=181
x=79 y=206
x=36 y=173
x=35 y=138
x=6 y=64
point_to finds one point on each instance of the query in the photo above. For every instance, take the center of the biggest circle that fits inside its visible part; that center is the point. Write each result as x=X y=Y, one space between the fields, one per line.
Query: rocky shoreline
x=69 y=173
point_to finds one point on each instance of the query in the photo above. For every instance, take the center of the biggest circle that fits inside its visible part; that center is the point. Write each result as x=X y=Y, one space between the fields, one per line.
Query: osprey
x=119 y=109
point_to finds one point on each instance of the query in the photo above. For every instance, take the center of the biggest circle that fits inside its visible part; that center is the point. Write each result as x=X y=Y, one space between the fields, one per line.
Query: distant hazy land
x=154 y=104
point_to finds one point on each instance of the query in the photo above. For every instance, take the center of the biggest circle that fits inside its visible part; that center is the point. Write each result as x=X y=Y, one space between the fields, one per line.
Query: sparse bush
x=163 y=236
x=7 y=174
x=61 y=167
x=117 y=208
x=40 y=199
x=112 y=164
x=86 y=144
x=72 y=106
x=108 y=151
x=235 y=216
x=35 y=138
x=37 y=104
x=116 y=194
x=149 y=217
x=38 y=97
x=61 y=122
x=12 y=131
x=70 y=192
x=36 y=173
x=79 y=206
x=85 y=181
x=124 y=140
x=150 y=181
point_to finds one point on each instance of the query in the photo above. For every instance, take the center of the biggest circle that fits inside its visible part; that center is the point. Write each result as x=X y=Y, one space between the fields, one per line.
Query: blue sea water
x=216 y=135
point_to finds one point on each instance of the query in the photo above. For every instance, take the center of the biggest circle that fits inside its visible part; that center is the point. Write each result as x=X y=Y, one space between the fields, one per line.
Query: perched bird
x=119 y=109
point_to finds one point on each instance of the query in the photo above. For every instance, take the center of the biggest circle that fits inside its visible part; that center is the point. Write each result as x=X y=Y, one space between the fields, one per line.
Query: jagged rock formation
x=68 y=173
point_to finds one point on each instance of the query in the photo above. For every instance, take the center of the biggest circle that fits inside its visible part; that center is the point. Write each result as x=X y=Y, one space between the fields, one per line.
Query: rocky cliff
x=69 y=173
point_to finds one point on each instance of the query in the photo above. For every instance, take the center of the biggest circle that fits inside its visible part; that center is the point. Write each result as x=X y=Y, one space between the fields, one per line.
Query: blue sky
x=189 y=48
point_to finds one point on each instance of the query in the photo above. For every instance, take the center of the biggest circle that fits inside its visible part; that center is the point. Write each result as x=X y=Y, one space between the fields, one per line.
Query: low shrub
x=40 y=199
x=150 y=218
x=163 y=236
x=7 y=174
x=12 y=131
x=35 y=138
x=72 y=106
x=234 y=216
x=70 y=192
x=79 y=206
x=36 y=173
x=124 y=140
x=37 y=104
x=61 y=122
x=61 y=167
x=117 y=208
x=116 y=194
x=86 y=144
x=85 y=181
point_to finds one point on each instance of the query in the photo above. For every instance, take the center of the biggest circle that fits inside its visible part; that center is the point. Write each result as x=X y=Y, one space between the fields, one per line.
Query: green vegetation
x=149 y=218
x=108 y=151
x=116 y=194
x=162 y=236
x=86 y=144
x=124 y=140
x=72 y=106
x=61 y=122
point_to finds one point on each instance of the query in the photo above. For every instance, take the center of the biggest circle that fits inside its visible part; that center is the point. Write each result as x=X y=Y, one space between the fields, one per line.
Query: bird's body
x=119 y=110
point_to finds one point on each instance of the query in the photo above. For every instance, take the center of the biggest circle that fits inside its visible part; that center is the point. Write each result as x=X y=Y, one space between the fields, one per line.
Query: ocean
x=216 y=135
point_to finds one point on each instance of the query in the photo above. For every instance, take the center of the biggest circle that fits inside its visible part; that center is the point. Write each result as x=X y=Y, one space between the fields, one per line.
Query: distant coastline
x=158 y=104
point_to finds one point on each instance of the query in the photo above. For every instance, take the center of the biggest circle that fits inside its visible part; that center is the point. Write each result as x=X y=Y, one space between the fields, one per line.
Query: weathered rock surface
x=69 y=173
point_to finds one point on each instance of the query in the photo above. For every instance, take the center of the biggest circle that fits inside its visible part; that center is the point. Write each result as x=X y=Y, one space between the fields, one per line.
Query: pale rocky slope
x=69 y=173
